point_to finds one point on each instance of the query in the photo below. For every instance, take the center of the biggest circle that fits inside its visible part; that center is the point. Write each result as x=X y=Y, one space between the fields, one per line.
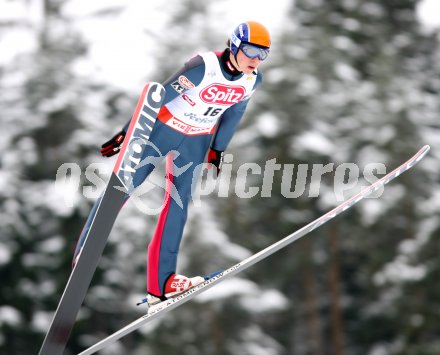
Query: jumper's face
x=245 y=64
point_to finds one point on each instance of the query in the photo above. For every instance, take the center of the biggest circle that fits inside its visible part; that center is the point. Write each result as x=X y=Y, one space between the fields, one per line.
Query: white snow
x=60 y=198
x=313 y=141
x=343 y=43
x=309 y=86
x=249 y=295
x=428 y=12
x=41 y=320
x=228 y=14
x=345 y=72
x=400 y=270
x=379 y=349
x=19 y=39
x=377 y=204
x=120 y=54
x=31 y=287
x=256 y=342
x=52 y=245
x=268 y=125
x=10 y=316
x=265 y=301
x=229 y=288
x=5 y=254
x=76 y=8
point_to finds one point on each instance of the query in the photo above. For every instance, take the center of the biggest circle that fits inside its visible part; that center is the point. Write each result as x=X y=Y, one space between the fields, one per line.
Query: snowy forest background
x=347 y=81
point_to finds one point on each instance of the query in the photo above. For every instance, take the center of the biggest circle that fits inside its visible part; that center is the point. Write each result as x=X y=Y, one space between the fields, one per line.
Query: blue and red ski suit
x=204 y=103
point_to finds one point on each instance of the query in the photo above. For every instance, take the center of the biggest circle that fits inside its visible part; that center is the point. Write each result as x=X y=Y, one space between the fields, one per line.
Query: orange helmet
x=249 y=32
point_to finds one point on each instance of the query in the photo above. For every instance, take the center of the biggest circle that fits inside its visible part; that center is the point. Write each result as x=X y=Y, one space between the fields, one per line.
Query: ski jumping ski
x=162 y=308
x=116 y=192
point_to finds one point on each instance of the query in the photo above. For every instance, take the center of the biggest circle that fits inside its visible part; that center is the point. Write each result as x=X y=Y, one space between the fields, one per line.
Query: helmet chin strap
x=236 y=65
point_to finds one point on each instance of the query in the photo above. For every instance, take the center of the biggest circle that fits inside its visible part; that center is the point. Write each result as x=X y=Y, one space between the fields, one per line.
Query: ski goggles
x=252 y=51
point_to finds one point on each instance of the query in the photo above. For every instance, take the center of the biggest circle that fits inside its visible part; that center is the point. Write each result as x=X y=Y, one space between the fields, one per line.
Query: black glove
x=113 y=146
x=215 y=157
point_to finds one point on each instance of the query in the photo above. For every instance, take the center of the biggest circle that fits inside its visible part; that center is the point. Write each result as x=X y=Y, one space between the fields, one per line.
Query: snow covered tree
x=347 y=81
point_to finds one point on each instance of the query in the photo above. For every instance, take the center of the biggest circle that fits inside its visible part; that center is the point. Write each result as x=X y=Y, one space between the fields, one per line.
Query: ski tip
x=423 y=151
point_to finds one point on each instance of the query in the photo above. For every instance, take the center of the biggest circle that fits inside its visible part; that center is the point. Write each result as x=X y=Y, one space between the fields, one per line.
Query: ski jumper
x=203 y=105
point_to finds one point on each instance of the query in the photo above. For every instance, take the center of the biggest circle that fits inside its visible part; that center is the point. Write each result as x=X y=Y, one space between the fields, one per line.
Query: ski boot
x=175 y=285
